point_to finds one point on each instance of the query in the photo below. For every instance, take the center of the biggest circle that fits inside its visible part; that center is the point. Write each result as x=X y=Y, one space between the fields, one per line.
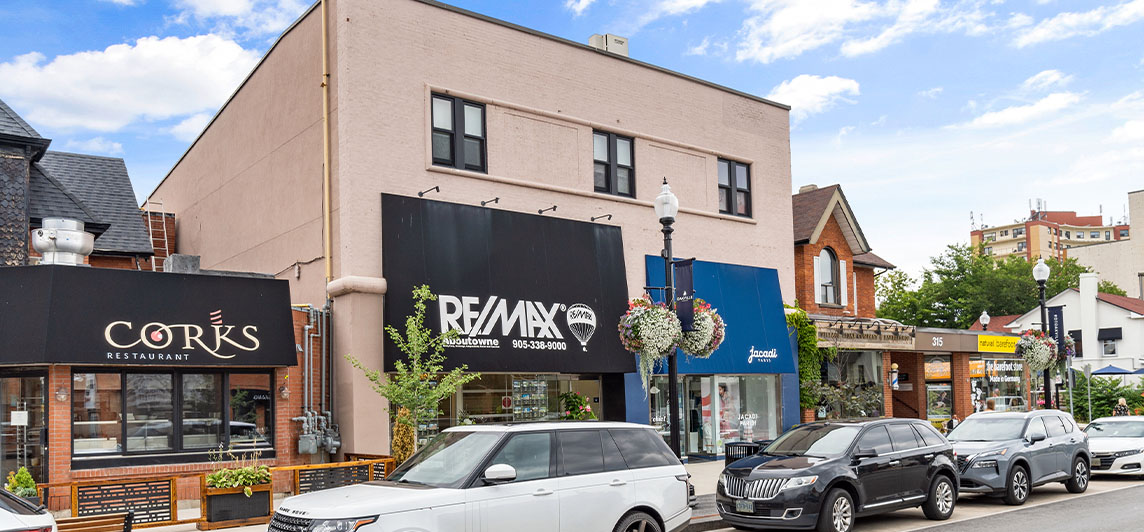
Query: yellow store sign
x=996 y=344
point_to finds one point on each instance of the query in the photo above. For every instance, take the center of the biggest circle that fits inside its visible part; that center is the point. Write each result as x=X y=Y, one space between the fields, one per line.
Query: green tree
x=419 y=383
x=961 y=282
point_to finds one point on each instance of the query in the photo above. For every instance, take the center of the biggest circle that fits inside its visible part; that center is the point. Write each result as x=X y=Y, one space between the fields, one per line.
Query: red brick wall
x=804 y=272
x=887 y=392
x=959 y=368
x=285 y=431
x=912 y=364
x=864 y=278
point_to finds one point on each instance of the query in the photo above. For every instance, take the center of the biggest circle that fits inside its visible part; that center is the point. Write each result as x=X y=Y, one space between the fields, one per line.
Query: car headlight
x=340 y=525
x=985 y=464
x=1128 y=453
x=798 y=482
x=998 y=452
x=723 y=479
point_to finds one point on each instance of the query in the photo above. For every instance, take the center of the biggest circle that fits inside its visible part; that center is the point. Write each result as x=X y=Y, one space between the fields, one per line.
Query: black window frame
x=732 y=187
x=889 y=446
x=176 y=454
x=908 y=433
x=458 y=135
x=612 y=166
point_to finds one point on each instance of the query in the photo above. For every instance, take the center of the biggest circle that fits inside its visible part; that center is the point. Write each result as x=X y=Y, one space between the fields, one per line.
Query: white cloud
x=1131 y=131
x=242 y=18
x=657 y=9
x=1086 y=23
x=808 y=94
x=881 y=121
x=699 y=49
x=783 y=29
x=1020 y=114
x=124 y=2
x=680 y=7
x=842 y=132
x=1046 y=79
x=189 y=128
x=106 y=90
x=96 y=145
x=577 y=7
x=931 y=94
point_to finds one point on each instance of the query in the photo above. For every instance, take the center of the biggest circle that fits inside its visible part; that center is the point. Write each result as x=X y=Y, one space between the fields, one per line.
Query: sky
x=925 y=111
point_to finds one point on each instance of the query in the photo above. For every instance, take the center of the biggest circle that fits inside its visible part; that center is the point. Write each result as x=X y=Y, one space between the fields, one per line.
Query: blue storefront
x=748 y=389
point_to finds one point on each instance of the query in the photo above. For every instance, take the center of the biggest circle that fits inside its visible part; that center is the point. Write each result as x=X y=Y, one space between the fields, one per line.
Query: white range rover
x=567 y=476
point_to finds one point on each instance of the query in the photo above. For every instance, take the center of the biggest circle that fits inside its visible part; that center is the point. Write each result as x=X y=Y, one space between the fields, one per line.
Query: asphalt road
x=1110 y=504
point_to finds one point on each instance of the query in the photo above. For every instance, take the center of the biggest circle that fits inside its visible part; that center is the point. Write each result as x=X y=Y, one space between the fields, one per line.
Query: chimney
x=807 y=188
x=62 y=241
x=15 y=170
x=1088 y=323
x=609 y=43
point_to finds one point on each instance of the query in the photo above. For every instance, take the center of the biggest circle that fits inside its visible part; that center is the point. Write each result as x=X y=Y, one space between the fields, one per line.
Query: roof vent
x=610 y=43
x=807 y=188
x=62 y=241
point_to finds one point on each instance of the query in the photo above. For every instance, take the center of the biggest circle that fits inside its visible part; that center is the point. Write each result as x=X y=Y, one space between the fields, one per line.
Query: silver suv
x=1008 y=453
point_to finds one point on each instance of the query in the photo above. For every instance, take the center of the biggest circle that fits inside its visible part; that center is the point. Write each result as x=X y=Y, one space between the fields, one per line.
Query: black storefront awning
x=75 y=315
x=1111 y=333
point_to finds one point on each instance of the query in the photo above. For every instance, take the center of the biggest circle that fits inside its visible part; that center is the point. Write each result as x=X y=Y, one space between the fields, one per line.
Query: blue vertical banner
x=685 y=294
x=1057 y=326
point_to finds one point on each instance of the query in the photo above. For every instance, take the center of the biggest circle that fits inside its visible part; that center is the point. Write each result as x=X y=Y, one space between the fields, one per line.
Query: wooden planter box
x=230 y=507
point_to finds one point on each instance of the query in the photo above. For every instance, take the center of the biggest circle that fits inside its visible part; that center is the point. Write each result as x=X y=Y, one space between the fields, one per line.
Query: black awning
x=77 y=315
x=1111 y=333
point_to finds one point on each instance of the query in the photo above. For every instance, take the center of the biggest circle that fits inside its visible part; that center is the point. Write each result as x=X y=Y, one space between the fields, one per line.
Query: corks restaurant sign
x=81 y=316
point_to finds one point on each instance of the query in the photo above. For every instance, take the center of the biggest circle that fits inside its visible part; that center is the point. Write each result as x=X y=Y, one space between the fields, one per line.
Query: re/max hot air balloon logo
x=484 y=322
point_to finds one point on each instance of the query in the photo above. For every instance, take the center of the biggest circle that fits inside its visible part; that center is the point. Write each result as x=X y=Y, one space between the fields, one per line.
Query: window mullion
x=458 y=133
x=613 y=185
x=224 y=398
x=122 y=410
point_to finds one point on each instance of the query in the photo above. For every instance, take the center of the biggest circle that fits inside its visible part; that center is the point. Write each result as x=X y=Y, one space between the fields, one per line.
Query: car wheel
x=942 y=498
x=1079 y=481
x=637 y=522
x=1018 y=486
x=837 y=513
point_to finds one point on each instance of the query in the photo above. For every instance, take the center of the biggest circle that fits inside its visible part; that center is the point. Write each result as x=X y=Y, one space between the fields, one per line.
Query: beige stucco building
x=248 y=193
x=1121 y=262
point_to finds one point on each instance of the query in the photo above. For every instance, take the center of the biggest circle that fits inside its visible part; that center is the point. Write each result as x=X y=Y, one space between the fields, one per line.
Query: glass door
x=22 y=425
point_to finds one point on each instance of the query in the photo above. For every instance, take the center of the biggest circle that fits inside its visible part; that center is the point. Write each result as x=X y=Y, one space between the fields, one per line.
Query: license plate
x=744 y=506
x=1095 y=462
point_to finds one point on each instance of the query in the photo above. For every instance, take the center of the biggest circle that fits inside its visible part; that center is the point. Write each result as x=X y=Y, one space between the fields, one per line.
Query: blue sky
x=924 y=110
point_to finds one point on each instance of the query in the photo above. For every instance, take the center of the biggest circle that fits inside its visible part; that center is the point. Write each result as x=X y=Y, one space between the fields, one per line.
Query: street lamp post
x=984 y=319
x=666 y=207
x=1041 y=274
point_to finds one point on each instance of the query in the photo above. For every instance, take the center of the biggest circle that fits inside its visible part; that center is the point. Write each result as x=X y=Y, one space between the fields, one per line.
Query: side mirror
x=1035 y=436
x=865 y=453
x=499 y=474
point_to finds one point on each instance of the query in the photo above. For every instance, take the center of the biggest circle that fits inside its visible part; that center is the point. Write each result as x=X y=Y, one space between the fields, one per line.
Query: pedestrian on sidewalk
x=1121 y=408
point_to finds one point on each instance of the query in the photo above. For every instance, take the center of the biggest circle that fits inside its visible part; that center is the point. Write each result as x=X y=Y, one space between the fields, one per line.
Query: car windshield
x=447 y=460
x=988 y=429
x=1115 y=429
x=814 y=440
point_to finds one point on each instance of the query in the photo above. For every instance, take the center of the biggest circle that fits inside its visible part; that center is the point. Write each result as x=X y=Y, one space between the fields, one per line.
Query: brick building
x=88 y=355
x=834 y=282
x=1048 y=234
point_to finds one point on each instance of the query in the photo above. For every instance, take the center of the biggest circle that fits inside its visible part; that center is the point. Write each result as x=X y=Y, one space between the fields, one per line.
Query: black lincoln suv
x=823 y=475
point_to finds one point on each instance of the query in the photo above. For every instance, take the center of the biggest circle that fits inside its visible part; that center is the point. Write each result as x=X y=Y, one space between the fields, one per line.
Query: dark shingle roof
x=870 y=259
x=48 y=198
x=102 y=185
x=12 y=124
x=808 y=210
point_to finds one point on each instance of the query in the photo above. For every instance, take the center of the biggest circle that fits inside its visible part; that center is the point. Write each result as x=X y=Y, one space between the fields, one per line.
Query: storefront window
x=150 y=411
x=718 y=409
x=853 y=386
x=202 y=410
x=748 y=407
x=250 y=410
x=939 y=389
x=97 y=413
x=503 y=398
x=139 y=413
x=1005 y=378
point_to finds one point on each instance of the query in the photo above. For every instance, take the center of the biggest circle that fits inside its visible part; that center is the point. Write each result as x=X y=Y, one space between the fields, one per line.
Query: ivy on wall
x=810 y=356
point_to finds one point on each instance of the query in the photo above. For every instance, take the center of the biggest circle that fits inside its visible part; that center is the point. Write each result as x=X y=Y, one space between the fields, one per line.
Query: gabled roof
x=48 y=198
x=870 y=259
x=996 y=323
x=12 y=124
x=103 y=186
x=1126 y=303
x=813 y=208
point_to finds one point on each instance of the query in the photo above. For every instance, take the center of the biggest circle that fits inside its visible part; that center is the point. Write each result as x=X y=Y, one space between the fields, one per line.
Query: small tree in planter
x=419 y=383
x=237 y=491
x=21 y=484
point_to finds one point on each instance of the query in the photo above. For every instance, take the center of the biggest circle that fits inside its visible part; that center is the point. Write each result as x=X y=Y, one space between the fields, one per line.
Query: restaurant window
x=458 y=133
x=734 y=188
x=614 y=169
x=162 y=412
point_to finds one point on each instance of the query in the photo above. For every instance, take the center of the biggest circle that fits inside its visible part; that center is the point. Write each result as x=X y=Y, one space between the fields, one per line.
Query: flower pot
x=230 y=507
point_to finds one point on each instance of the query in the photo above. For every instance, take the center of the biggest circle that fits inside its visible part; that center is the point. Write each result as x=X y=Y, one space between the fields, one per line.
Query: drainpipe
x=328 y=251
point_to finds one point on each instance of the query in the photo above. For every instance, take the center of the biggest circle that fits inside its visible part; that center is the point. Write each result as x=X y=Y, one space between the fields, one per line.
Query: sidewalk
x=705 y=477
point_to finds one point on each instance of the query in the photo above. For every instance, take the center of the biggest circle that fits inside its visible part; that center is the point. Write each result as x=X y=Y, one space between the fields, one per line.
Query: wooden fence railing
x=154 y=499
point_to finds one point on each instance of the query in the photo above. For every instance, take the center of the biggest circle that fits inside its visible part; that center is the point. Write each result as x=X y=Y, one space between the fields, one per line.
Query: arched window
x=828 y=282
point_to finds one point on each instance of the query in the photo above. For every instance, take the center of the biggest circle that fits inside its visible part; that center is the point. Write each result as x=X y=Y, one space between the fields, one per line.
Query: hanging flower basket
x=651 y=331
x=707 y=334
x=1038 y=349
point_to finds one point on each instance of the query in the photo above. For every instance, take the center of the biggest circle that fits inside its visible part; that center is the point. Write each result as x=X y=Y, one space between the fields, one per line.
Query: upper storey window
x=459 y=133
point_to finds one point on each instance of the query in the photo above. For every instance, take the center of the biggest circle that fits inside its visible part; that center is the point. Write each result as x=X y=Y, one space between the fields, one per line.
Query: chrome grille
x=760 y=489
x=286 y=523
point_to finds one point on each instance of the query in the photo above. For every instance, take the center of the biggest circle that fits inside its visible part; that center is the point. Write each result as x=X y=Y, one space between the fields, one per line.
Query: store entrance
x=22 y=424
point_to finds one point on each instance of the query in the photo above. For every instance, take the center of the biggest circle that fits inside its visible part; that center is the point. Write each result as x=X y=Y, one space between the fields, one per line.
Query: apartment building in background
x=1047 y=234
x=1119 y=261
